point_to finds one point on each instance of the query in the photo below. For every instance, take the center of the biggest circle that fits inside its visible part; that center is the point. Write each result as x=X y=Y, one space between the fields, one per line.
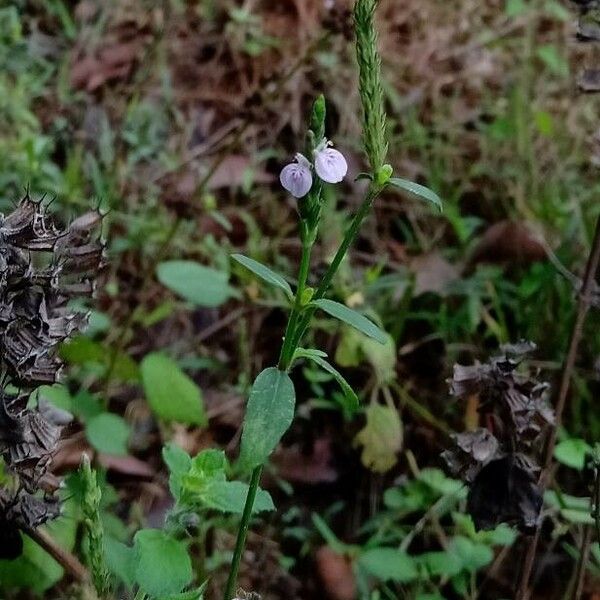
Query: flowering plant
x=270 y=408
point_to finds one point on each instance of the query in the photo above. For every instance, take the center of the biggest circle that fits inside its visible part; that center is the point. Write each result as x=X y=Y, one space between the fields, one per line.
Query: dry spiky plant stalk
x=499 y=462
x=42 y=268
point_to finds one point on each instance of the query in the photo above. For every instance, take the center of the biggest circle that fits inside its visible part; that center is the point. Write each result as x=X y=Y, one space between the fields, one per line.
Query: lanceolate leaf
x=318 y=357
x=416 y=189
x=264 y=273
x=269 y=414
x=351 y=317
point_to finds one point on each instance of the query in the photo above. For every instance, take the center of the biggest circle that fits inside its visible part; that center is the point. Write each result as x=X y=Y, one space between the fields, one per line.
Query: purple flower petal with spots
x=296 y=177
x=330 y=165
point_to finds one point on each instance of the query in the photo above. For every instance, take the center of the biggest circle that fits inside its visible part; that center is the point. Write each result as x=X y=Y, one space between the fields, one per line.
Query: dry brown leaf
x=335 y=571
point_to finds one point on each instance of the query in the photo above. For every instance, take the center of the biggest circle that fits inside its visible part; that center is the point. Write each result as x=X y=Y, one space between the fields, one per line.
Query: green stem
x=242 y=533
x=288 y=348
x=349 y=238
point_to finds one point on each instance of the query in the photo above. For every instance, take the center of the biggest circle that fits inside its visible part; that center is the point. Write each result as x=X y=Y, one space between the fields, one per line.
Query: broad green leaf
x=441 y=564
x=230 y=496
x=120 y=560
x=204 y=483
x=269 y=414
x=179 y=463
x=163 y=565
x=210 y=464
x=436 y=480
x=82 y=350
x=351 y=317
x=108 y=433
x=473 y=555
x=58 y=395
x=172 y=395
x=196 y=283
x=416 y=189
x=572 y=453
x=381 y=438
x=264 y=273
x=318 y=358
x=389 y=564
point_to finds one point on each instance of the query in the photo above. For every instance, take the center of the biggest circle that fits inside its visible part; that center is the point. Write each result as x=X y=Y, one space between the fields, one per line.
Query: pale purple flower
x=330 y=164
x=296 y=177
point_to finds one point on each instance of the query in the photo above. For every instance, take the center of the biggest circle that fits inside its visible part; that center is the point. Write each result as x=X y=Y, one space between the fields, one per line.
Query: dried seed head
x=41 y=268
x=499 y=462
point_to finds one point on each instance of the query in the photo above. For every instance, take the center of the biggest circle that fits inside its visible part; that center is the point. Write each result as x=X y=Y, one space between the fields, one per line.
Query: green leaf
x=437 y=481
x=196 y=283
x=195 y=594
x=389 y=564
x=230 y=496
x=351 y=317
x=572 y=453
x=264 y=273
x=120 y=560
x=108 y=433
x=318 y=357
x=554 y=61
x=179 y=463
x=269 y=414
x=172 y=395
x=417 y=190
x=473 y=556
x=441 y=564
x=163 y=565
x=204 y=483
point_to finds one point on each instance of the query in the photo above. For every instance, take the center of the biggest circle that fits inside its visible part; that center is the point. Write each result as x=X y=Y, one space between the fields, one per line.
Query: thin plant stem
x=242 y=533
x=287 y=350
x=349 y=238
x=583 y=305
x=294 y=332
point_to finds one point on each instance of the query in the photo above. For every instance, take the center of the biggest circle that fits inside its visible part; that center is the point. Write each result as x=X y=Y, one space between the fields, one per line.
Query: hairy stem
x=583 y=306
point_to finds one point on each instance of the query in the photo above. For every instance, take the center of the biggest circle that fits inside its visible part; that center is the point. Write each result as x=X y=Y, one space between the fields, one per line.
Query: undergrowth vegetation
x=260 y=401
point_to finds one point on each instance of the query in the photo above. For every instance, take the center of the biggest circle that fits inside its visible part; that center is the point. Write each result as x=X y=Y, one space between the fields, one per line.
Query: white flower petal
x=296 y=178
x=330 y=165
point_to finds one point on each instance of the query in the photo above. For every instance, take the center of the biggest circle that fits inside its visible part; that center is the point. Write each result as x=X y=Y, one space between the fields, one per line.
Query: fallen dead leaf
x=508 y=242
x=335 y=571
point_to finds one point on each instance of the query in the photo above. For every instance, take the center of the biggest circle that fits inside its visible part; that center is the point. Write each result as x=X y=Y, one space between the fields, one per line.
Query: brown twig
x=583 y=305
x=68 y=561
